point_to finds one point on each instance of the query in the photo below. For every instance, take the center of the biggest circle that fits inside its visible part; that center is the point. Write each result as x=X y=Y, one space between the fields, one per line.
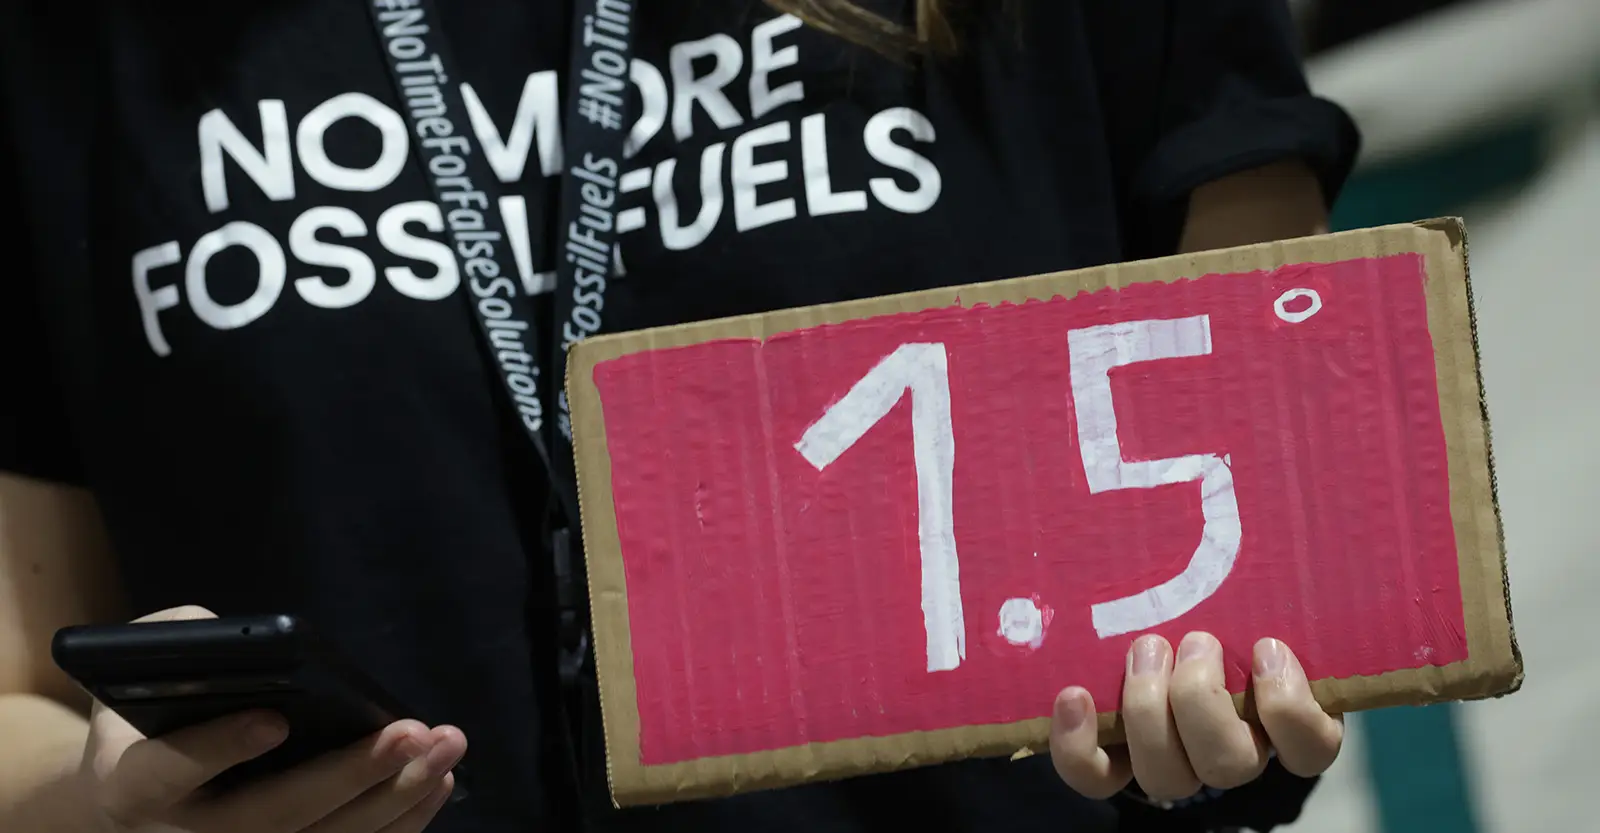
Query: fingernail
x=265 y=731
x=1196 y=646
x=1071 y=711
x=441 y=758
x=1149 y=656
x=1272 y=657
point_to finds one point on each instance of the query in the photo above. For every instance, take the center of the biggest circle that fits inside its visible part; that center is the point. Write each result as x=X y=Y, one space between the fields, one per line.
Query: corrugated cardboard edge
x=1455 y=228
x=1494 y=665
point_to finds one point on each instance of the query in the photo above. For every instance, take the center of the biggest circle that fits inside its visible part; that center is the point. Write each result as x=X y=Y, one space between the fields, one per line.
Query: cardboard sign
x=886 y=533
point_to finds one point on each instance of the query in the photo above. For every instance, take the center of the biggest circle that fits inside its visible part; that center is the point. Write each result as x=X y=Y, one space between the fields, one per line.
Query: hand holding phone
x=392 y=781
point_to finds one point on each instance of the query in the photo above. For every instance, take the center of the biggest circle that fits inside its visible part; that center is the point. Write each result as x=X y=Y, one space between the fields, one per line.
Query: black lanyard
x=594 y=127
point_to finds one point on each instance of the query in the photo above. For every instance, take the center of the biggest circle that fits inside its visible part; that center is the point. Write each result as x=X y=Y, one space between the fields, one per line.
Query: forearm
x=41 y=744
x=1275 y=202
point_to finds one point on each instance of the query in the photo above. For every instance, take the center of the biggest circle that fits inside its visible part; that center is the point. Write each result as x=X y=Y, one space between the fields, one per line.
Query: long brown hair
x=931 y=33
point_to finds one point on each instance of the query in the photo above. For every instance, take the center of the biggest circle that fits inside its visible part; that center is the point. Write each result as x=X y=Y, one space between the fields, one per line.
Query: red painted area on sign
x=772 y=604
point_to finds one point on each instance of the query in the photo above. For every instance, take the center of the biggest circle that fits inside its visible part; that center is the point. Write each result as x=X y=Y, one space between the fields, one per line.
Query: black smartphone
x=164 y=676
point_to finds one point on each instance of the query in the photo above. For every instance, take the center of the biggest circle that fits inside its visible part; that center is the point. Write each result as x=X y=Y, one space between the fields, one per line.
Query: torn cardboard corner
x=882 y=534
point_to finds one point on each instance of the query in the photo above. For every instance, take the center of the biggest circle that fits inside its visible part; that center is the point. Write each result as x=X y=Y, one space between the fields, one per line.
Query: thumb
x=109 y=734
x=182 y=613
x=137 y=776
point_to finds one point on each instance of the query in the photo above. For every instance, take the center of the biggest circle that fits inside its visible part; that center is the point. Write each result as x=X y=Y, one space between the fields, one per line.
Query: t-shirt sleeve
x=35 y=440
x=1228 y=93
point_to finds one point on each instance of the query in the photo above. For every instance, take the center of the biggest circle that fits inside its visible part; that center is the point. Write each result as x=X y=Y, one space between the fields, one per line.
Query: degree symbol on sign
x=1281 y=306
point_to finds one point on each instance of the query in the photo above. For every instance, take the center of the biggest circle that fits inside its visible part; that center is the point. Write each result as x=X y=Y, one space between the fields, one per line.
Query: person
x=240 y=372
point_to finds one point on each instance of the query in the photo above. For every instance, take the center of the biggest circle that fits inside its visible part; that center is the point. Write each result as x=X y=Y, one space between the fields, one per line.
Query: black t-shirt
x=226 y=309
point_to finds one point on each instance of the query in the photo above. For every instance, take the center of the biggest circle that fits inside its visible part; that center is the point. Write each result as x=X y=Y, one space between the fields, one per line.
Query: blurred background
x=1490 y=109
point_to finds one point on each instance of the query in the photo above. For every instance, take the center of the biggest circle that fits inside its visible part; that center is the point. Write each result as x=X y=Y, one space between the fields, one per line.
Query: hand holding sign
x=885 y=533
x=1182 y=730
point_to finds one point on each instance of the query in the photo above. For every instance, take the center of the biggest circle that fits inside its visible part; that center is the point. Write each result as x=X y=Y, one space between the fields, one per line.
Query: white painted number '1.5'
x=924 y=370
x=1094 y=351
